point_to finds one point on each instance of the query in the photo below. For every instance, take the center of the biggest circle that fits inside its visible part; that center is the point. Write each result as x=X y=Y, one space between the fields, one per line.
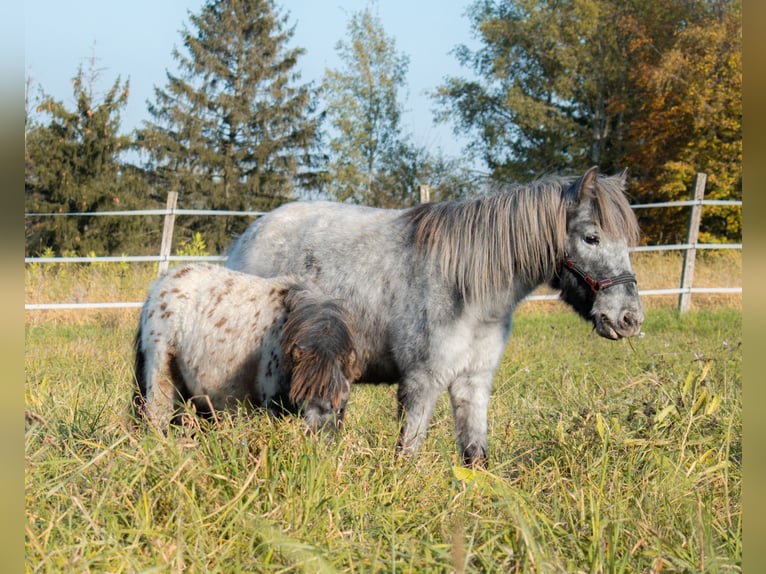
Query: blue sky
x=135 y=40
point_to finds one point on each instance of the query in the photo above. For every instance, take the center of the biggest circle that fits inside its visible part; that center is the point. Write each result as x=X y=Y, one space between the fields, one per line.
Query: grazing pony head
x=318 y=350
x=595 y=275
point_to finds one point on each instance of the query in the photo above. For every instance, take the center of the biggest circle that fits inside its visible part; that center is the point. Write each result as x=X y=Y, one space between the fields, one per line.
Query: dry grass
x=712 y=269
x=69 y=283
x=605 y=456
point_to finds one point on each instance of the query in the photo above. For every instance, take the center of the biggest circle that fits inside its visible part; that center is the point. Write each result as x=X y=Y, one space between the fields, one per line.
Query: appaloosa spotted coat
x=217 y=337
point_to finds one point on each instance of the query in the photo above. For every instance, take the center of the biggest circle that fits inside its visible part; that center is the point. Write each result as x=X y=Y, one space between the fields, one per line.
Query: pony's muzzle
x=627 y=325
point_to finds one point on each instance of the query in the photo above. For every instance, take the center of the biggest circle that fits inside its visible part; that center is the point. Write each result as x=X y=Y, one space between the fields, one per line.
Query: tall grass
x=605 y=457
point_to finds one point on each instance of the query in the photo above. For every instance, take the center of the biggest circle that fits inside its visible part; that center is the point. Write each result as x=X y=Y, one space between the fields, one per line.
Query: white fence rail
x=685 y=290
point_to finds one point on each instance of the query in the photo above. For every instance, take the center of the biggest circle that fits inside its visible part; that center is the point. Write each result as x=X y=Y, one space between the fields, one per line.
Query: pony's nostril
x=631 y=320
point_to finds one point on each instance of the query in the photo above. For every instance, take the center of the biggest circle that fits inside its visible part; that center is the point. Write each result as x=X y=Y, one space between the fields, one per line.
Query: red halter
x=595 y=284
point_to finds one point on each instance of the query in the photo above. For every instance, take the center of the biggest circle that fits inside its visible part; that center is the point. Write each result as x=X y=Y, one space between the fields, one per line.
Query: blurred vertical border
x=754 y=268
x=12 y=287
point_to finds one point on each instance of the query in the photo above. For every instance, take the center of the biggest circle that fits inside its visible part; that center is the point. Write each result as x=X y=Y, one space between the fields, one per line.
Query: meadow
x=604 y=456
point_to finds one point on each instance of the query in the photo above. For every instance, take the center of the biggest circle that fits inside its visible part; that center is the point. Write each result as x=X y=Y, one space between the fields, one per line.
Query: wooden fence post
x=425 y=194
x=687 y=271
x=167 y=232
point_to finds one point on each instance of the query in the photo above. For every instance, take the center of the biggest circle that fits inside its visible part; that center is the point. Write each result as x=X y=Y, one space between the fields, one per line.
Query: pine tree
x=72 y=164
x=233 y=130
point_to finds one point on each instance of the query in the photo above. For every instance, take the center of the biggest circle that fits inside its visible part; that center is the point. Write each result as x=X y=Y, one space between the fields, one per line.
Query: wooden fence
x=685 y=290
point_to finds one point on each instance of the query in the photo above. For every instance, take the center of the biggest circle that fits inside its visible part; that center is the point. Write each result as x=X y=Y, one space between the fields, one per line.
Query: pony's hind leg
x=469 y=396
x=138 y=403
x=161 y=391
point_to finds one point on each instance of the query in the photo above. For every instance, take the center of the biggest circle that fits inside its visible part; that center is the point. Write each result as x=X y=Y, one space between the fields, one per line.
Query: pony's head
x=318 y=349
x=595 y=275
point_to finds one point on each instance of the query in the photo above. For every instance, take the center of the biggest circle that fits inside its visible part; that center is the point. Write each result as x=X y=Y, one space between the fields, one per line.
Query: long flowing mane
x=485 y=243
x=315 y=334
x=611 y=210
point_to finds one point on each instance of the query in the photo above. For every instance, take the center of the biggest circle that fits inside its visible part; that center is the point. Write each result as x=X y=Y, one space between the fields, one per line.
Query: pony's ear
x=352 y=366
x=583 y=187
x=623 y=175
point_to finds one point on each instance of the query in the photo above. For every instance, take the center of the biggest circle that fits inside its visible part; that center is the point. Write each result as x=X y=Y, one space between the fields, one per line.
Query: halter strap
x=597 y=285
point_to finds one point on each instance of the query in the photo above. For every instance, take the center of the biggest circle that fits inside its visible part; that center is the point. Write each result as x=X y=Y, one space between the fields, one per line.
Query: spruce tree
x=234 y=129
x=72 y=164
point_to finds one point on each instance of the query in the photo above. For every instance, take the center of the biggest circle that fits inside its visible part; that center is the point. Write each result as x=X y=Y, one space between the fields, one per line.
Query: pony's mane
x=317 y=342
x=484 y=243
x=612 y=211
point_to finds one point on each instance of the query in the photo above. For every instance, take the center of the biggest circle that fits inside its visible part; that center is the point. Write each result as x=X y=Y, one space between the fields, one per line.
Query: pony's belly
x=381 y=373
x=224 y=381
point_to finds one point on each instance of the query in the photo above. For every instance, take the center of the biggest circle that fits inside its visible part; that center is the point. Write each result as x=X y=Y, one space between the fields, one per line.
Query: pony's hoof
x=475 y=456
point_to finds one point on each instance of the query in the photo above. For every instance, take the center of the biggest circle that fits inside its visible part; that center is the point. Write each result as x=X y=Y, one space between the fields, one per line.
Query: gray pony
x=432 y=289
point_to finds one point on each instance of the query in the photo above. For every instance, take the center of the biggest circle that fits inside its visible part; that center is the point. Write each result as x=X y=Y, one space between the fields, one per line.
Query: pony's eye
x=592 y=239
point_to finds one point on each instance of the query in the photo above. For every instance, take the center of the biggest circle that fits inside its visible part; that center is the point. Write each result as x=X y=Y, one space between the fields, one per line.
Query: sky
x=134 y=40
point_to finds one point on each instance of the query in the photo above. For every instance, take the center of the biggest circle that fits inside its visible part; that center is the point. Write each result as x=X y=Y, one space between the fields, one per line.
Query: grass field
x=605 y=457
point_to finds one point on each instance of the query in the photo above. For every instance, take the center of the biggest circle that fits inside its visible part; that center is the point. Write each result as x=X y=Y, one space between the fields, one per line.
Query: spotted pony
x=219 y=338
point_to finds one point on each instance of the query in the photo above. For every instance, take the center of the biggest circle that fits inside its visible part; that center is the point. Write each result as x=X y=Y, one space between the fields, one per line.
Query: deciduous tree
x=652 y=86
x=364 y=112
x=548 y=75
x=688 y=120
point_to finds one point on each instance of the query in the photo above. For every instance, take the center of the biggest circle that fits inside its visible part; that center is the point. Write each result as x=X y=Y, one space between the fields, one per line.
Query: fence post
x=425 y=193
x=167 y=232
x=687 y=272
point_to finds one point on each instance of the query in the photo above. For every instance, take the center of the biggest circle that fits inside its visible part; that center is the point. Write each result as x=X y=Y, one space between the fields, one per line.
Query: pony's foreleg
x=417 y=395
x=470 y=401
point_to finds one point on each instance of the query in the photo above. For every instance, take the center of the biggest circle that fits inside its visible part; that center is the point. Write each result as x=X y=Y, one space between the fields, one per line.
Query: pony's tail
x=139 y=377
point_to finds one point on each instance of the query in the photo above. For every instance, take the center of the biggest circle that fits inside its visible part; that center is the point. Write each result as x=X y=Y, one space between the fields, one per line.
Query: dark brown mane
x=317 y=344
